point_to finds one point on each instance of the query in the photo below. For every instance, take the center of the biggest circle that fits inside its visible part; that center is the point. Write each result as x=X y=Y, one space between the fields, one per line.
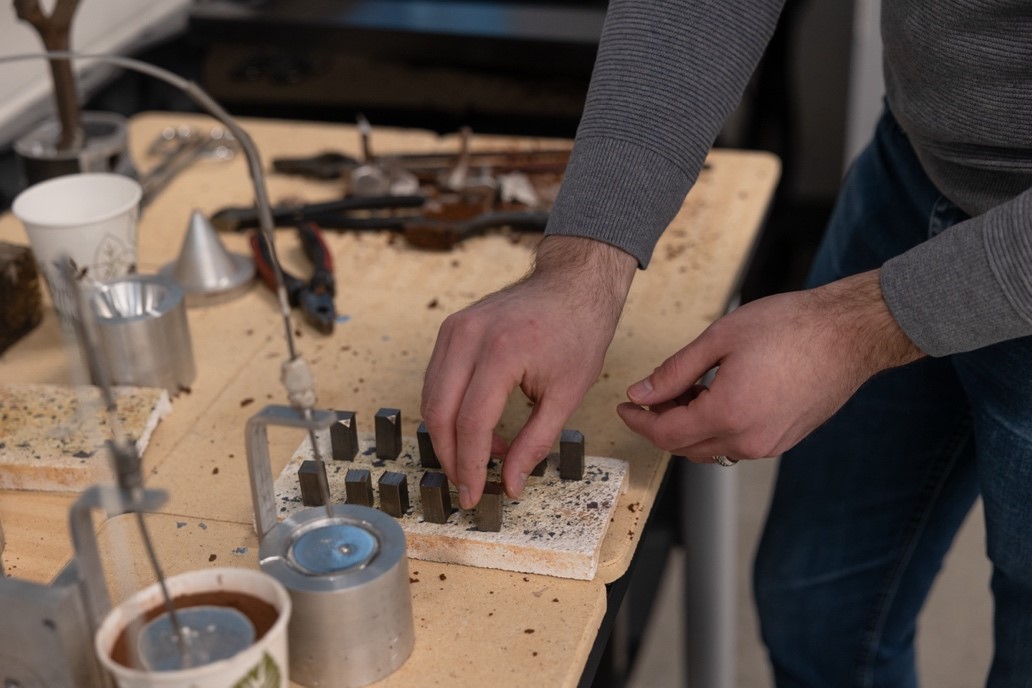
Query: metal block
x=314 y=487
x=358 y=486
x=488 y=516
x=46 y=635
x=388 y=433
x=571 y=455
x=394 y=493
x=344 y=437
x=539 y=469
x=427 y=456
x=433 y=491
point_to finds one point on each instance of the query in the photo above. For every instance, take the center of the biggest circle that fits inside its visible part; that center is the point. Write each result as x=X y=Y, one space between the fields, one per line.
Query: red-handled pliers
x=314 y=297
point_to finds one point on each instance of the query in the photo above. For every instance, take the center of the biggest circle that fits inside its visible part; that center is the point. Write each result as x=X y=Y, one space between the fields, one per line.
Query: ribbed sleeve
x=969 y=287
x=668 y=74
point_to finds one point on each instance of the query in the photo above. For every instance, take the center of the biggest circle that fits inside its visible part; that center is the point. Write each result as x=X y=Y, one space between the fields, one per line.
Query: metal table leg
x=709 y=532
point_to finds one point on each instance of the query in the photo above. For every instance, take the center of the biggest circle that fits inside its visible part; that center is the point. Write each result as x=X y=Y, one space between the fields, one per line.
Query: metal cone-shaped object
x=208 y=272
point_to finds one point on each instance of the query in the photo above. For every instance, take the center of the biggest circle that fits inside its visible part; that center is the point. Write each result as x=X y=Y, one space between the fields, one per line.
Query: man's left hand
x=786 y=364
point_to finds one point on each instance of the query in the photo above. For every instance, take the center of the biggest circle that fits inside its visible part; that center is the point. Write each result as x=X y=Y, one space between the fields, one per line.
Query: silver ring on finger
x=722 y=460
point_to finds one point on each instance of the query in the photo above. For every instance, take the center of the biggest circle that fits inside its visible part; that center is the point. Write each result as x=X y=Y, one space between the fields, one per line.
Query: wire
x=250 y=150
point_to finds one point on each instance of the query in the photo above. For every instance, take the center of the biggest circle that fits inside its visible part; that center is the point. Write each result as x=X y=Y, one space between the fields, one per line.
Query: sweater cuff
x=618 y=193
x=945 y=294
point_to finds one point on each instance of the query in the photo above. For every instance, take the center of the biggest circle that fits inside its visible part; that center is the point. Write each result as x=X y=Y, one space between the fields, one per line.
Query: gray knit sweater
x=958 y=79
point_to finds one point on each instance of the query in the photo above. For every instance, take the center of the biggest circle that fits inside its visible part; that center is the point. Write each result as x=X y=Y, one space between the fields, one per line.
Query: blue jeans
x=866 y=507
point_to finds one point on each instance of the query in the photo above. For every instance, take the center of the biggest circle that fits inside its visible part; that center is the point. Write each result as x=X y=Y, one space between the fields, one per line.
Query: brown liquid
x=262 y=614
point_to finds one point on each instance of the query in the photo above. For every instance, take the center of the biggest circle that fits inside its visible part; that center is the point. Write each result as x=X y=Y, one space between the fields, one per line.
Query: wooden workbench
x=473 y=626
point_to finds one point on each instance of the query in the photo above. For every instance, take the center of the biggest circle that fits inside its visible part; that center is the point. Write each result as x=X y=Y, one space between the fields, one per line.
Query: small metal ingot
x=314 y=487
x=488 y=516
x=344 y=437
x=539 y=469
x=394 y=494
x=388 y=433
x=427 y=456
x=571 y=455
x=358 y=486
x=433 y=491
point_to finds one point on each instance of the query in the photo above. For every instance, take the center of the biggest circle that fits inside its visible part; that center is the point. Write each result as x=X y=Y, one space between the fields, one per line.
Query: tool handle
x=237 y=219
x=324 y=166
x=263 y=264
x=318 y=252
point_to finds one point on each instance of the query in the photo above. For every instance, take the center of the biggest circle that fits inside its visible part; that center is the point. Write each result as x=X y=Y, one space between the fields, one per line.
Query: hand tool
x=426 y=166
x=237 y=219
x=314 y=297
x=442 y=235
x=55 y=31
x=369 y=178
x=439 y=232
x=179 y=152
x=324 y=166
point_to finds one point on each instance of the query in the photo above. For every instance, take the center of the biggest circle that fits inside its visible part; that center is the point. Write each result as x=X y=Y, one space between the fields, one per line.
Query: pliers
x=314 y=297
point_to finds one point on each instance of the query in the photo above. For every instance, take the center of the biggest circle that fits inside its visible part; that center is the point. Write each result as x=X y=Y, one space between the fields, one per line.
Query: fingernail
x=464 y=500
x=639 y=392
x=521 y=481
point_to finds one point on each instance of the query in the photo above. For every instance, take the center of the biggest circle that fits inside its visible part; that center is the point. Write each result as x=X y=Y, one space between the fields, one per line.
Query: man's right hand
x=548 y=334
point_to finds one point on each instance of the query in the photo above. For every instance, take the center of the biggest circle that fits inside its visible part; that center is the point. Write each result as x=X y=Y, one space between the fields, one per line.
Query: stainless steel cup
x=142 y=327
x=105 y=148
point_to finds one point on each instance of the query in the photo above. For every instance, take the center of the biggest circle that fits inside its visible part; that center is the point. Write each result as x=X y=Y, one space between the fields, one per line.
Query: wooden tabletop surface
x=473 y=626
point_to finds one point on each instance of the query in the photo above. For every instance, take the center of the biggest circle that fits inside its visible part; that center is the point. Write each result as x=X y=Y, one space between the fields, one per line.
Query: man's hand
x=548 y=334
x=787 y=363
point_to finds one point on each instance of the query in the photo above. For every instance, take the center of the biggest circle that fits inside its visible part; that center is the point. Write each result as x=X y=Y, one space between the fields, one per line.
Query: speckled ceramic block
x=52 y=437
x=555 y=528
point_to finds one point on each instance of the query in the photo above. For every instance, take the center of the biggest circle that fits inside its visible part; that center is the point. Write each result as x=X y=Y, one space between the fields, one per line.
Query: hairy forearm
x=856 y=308
x=598 y=273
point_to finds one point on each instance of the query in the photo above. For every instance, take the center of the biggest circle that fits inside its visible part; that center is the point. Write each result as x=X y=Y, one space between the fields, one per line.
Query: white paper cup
x=90 y=218
x=263 y=663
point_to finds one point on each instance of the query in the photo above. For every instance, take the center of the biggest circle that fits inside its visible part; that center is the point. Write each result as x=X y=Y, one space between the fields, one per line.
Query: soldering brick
x=488 y=515
x=358 y=486
x=427 y=455
x=388 y=433
x=433 y=492
x=344 y=437
x=314 y=486
x=394 y=493
x=571 y=455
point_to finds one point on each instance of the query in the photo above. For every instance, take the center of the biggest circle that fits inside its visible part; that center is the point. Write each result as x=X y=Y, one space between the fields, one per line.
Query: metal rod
x=123 y=452
x=182 y=638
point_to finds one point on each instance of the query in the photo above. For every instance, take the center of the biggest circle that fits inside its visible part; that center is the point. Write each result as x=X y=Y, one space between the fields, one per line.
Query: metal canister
x=142 y=326
x=348 y=580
